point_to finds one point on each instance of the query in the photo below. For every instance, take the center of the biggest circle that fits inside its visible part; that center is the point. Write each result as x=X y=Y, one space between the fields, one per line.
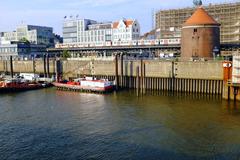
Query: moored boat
x=16 y=85
x=88 y=84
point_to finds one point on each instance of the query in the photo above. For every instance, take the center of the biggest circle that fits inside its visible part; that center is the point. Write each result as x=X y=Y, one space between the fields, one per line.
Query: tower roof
x=200 y=17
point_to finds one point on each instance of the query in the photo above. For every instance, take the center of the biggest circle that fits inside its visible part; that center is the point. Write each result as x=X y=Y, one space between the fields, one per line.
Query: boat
x=18 y=84
x=88 y=84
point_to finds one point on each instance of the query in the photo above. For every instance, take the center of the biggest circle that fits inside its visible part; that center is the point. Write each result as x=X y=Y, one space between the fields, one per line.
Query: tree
x=66 y=54
x=25 y=40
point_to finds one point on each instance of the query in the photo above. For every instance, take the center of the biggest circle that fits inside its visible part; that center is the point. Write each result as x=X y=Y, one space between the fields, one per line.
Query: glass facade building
x=34 y=34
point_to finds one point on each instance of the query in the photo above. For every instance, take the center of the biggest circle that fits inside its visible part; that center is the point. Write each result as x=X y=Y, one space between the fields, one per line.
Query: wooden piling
x=141 y=79
x=137 y=80
x=11 y=66
x=34 y=65
x=48 y=68
x=44 y=65
x=121 y=64
x=57 y=70
x=144 y=78
x=116 y=72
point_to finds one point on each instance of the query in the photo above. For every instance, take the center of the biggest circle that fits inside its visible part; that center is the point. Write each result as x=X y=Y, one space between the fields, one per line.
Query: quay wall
x=154 y=68
x=197 y=77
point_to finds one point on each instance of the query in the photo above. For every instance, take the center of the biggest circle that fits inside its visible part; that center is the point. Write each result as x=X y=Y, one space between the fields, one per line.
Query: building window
x=195 y=30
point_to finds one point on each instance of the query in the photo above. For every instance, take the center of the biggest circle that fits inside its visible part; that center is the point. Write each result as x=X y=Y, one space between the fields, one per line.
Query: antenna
x=197 y=2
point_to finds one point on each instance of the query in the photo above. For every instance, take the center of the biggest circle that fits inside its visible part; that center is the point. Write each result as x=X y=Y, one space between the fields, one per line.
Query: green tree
x=66 y=54
x=25 y=40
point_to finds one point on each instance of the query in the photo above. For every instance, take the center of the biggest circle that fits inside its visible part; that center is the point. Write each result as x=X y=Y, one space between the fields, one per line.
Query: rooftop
x=128 y=23
x=200 y=17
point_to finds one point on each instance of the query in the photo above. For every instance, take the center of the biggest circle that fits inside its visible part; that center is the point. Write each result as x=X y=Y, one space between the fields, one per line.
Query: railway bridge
x=155 y=50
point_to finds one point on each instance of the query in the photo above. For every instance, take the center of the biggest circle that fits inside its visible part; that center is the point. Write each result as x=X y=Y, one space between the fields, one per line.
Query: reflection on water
x=50 y=124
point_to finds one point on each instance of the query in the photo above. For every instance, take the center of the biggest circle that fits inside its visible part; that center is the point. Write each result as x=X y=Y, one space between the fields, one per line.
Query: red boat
x=87 y=84
x=14 y=85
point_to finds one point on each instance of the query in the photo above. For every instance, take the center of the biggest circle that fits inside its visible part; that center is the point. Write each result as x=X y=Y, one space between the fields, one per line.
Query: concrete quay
x=204 y=77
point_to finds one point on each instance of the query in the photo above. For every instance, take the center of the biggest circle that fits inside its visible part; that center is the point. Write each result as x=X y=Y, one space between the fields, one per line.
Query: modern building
x=169 y=22
x=200 y=36
x=34 y=34
x=21 y=50
x=26 y=41
x=85 y=31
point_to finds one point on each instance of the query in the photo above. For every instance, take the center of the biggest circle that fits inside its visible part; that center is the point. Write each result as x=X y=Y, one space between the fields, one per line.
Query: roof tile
x=200 y=17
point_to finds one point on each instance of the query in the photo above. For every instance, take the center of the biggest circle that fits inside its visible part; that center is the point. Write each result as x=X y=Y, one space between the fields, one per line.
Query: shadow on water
x=48 y=143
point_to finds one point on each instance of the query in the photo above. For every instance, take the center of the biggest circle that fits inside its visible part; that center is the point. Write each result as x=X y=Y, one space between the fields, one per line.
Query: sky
x=51 y=12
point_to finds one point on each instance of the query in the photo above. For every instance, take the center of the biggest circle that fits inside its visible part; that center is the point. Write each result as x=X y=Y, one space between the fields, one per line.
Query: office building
x=22 y=50
x=34 y=34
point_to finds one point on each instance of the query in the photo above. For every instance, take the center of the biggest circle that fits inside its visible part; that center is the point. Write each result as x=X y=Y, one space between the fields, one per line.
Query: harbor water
x=50 y=124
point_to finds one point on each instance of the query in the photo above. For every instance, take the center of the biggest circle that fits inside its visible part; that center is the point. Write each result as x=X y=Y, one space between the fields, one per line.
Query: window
x=195 y=30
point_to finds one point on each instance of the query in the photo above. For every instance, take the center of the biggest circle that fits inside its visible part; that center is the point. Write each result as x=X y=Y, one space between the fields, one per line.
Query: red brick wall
x=200 y=43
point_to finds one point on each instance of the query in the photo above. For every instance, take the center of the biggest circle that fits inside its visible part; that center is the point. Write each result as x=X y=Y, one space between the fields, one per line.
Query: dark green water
x=50 y=124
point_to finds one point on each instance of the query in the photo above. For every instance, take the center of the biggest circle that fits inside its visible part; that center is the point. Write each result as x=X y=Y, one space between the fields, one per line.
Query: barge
x=88 y=84
x=18 y=85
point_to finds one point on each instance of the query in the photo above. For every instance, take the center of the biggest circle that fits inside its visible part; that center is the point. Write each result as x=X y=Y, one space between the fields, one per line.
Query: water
x=50 y=124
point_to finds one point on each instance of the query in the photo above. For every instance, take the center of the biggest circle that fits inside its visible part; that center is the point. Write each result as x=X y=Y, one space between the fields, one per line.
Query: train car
x=108 y=43
x=148 y=42
x=172 y=41
x=156 y=42
x=79 y=45
x=140 y=42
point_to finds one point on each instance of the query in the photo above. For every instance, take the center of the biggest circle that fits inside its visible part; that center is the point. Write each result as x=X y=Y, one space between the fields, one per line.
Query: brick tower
x=200 y=36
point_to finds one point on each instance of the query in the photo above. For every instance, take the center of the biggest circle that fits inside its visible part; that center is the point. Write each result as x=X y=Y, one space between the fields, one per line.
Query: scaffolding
x=227 y=14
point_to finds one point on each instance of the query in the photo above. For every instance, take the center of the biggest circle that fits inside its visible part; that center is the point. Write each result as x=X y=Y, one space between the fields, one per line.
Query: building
x=21 y=50
x=126 y=30
x=200 y=36
x=26 y=41
x=85 y=31
x=152 y=35
x=34 y=34
x=227 y=14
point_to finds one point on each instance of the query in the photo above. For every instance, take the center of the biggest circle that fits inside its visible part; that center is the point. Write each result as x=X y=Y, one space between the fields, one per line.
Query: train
x=154 y=42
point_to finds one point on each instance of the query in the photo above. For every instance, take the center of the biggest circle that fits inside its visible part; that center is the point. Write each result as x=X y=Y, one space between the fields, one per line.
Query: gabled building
x=126 y=30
